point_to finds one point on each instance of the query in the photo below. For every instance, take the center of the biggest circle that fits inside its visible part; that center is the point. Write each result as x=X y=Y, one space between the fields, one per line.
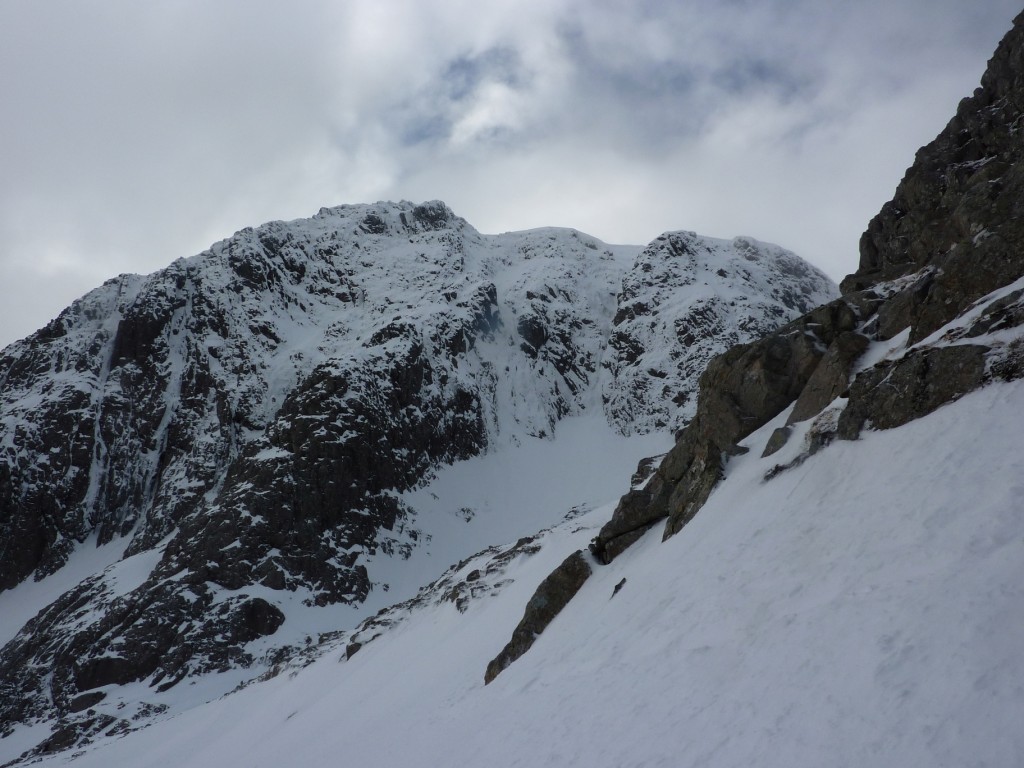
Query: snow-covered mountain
x=201 y=468
x=824 y=568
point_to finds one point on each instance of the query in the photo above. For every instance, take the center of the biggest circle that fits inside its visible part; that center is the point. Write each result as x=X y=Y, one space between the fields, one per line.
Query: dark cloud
x=755 y=74
x=464 y=75
x=433 y=115
x=134 y=133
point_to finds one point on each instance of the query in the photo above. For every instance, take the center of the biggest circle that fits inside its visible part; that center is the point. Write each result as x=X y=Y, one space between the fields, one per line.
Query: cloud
x=137 y=133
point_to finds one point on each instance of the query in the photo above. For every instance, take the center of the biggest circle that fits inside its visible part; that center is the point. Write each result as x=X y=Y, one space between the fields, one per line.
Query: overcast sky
x=132 y=133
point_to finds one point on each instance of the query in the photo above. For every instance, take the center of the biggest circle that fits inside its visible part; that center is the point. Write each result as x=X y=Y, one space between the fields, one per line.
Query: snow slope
x=862 y=608
x=467 y=507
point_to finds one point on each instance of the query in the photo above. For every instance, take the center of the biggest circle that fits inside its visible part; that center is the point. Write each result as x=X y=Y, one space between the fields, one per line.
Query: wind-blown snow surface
x=864 y=607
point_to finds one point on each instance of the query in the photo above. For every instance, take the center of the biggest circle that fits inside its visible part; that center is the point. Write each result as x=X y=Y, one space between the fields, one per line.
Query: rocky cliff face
x=241 y=424
x=933 y=312
x=952 y=232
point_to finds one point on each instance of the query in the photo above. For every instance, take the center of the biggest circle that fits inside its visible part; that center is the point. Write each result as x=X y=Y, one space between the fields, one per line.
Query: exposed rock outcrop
x=897 y=391
x=831 y=377
x=553 y=594
x=739 y=392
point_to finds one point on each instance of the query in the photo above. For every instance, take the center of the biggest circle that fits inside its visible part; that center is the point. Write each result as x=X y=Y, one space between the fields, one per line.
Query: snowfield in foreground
x=863 y=608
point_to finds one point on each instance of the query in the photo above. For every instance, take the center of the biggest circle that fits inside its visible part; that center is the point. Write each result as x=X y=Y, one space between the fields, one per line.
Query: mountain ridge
x=251 y=417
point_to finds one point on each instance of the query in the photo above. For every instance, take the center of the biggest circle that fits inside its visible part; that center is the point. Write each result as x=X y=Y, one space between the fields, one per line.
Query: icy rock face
x=686 y=299
x=247 y=418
